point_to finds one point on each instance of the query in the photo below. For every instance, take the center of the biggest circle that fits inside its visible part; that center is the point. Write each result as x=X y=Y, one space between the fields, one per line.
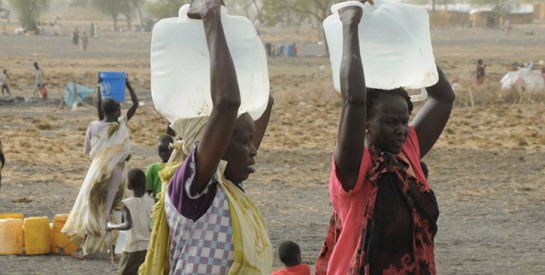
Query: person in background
x=108 y=144
x=290 y=254
x=136 y=216
x=39 y=79
x=153 y=181
x=4 y=77
x=75 y=36
x=384 y=211
x=480 y=72
x=84 y=41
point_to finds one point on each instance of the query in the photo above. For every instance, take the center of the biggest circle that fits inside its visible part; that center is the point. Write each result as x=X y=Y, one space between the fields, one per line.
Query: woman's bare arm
x=351 y=134
x=224 y=91
x=432 y=118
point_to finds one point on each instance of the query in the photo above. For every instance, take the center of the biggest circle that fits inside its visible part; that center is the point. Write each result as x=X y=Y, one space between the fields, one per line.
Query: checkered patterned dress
x=204 y=246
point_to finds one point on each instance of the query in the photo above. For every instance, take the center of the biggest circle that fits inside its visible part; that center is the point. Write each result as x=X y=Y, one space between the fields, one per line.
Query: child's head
x=111 y=107
x=137 y=181
x=163 y=147
x=480 y=61
x=289 y=253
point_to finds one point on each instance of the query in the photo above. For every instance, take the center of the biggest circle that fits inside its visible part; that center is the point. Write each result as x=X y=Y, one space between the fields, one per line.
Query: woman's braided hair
x=373 y=95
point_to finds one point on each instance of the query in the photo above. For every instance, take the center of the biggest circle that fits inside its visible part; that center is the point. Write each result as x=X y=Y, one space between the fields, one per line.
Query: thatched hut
x=483 y=19
x=539 y=11
x=449 y=18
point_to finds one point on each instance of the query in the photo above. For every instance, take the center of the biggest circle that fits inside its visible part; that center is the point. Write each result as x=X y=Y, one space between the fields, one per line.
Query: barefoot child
x=290 y=254
x=136 y=214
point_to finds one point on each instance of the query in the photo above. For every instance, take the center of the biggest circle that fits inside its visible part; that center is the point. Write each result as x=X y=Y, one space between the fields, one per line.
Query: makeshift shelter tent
x=75 y=93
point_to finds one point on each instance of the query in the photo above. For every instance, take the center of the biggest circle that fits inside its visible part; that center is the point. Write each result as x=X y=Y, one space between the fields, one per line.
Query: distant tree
x=119 y=7
x=296 y=11
x=113 y=8
x=290 y=12
x=137 y=5
x=252 y=9
x=29 y=12
x=164 y=8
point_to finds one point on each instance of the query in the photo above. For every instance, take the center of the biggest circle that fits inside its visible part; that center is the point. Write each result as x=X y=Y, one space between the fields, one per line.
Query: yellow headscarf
x=253 y=253
x=157 y=259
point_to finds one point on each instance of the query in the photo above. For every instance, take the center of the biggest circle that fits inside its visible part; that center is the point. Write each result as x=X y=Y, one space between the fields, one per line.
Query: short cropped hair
x=289 y=253
x=165 y=138
x=374 y=95
x=137 y=179
x=110 y=106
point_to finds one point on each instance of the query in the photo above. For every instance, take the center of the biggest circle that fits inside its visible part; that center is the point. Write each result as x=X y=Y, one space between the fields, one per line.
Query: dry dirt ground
x=487 y=169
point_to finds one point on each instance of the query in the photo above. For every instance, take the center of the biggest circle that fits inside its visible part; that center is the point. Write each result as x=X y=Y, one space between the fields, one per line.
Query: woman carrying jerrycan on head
x=385 y=213
x=213 y=226
x=108 y=144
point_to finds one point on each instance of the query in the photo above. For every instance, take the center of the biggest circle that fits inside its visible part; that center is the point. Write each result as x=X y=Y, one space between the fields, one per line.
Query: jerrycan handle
x=182 y=12
x=420 y=97
x=335 y=8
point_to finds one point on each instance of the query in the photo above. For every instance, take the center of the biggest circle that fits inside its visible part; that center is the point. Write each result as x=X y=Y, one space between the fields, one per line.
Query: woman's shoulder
x=411 y=146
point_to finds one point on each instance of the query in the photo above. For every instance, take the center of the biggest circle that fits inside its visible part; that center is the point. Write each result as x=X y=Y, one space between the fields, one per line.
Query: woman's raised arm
x=351 y=134
x=224 y=90
x=432 y=118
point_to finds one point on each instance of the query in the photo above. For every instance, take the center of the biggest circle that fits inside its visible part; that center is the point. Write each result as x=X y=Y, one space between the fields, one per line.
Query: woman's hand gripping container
x=180 y=66
x=395 y=46
x=112 y=84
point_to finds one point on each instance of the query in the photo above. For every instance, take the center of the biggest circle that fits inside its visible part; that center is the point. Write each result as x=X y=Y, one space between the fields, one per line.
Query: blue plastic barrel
x=291 y=50
x=112 y=84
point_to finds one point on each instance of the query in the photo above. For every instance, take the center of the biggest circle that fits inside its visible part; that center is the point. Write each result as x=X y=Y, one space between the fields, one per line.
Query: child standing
x=290 y=254
x=4 y=81
x=136 y=214
x=153 y=182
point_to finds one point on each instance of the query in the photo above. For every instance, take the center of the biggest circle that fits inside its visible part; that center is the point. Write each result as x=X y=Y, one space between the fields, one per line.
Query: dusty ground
x=487 y=169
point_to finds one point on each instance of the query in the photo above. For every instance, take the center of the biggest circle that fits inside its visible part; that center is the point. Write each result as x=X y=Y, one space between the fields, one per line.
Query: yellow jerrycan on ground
x=37 y=236
x=60 y=244
x=11 y=236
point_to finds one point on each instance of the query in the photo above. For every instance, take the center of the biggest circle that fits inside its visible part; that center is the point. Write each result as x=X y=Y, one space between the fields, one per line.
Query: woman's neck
x=110 y=118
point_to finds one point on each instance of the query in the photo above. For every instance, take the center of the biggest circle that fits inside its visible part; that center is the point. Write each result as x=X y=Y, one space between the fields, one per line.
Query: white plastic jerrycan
x=180 y=66
x=395 y=46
